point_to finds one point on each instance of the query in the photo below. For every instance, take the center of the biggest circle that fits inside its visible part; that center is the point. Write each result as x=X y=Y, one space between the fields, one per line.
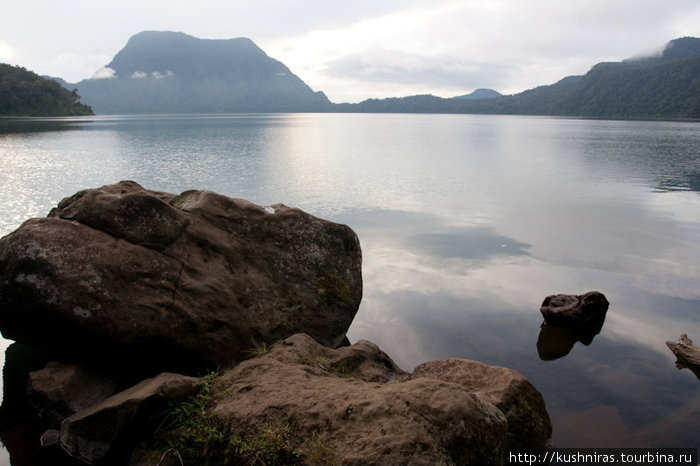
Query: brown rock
x=573 y=310
x=687 y=354
x=61 y=390
x=96 y=432
x=354 y=416
x=189 y=282
x=529 y=425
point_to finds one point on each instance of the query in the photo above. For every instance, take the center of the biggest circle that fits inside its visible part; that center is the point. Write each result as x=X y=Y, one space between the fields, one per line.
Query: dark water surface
x=466 y=223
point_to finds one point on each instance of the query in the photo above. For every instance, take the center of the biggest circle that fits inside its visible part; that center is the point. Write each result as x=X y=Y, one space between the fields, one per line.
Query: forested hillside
x=24 y=93
x=664 y=86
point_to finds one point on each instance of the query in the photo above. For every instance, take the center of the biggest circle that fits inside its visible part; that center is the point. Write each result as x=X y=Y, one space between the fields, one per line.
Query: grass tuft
x=189 y=433
x=258 y=349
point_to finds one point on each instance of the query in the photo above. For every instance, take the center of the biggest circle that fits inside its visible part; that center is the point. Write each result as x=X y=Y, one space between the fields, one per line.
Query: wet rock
x=335 y=405
x=563 y=310
x=177 y=282
x=106 y=428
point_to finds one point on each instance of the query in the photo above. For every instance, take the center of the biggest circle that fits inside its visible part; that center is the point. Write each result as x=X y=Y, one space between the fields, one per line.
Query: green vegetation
x=334 y=289
x=190 y=433
x=186 y=430
x=313 y=361
x=187 y=196
x=342 y=367
x=258 y=349
x=24 y=93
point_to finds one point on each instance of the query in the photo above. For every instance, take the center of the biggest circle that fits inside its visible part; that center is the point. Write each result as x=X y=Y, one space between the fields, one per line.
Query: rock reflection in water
x=568 y=319
x=20 y=427
x=555 y=342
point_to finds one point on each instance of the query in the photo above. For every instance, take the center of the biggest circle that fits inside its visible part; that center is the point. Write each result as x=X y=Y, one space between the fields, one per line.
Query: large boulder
x=354 y=406
x=178 y=282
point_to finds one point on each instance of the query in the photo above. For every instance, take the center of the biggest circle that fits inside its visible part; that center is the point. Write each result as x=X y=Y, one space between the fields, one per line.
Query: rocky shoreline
x=195 y=326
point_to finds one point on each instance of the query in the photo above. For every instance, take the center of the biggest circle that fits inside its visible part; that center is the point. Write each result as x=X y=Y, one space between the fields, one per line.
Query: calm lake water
x=466 y=222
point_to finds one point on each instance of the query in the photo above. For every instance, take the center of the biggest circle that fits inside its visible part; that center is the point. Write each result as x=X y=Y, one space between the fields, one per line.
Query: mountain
x=480 y=94
x=664 y=86
x=24 y=93
x=172 y=72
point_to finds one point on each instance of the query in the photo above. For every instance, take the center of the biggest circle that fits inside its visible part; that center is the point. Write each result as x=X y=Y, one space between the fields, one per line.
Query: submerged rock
x=177 y=282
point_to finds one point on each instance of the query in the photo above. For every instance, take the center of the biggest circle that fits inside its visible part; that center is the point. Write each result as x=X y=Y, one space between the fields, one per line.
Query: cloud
x=507 y=45
x=152 y=74
x=455 y=46
x=386 y=66
x=103 y=73
x=6 y=52
x=159 y=75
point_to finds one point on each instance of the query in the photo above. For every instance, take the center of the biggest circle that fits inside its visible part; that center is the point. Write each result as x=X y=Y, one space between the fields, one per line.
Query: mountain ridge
x=172 y=72
x=664 y=86
x=160 y=52
x=480 y=93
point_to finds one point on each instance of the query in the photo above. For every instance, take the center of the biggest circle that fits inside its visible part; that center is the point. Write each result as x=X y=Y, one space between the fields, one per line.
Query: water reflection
x=436 y=286
x=465 y=223
x=685 y=181
x=9 y=126
x=478 y=243
x=20 y=428
x=555 y=342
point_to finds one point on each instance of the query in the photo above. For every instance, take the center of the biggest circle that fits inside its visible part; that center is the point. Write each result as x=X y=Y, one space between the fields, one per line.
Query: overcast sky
x=353 y=50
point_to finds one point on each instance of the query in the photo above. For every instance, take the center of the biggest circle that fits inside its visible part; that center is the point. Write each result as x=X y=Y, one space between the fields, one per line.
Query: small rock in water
x=687 y=354
x=563 y=310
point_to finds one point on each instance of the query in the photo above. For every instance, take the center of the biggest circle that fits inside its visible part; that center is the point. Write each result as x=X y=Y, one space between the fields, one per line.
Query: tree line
x=24 y=93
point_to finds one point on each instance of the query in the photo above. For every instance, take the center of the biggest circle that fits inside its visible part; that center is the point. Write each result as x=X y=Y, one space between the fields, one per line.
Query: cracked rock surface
x=175 y=282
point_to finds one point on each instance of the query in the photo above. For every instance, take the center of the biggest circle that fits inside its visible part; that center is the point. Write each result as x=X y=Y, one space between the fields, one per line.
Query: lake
x=467 y=223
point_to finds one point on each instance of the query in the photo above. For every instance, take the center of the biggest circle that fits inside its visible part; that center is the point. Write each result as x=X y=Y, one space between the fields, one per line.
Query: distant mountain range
x=169 y=72
x=480 y=94
x=664 y=86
